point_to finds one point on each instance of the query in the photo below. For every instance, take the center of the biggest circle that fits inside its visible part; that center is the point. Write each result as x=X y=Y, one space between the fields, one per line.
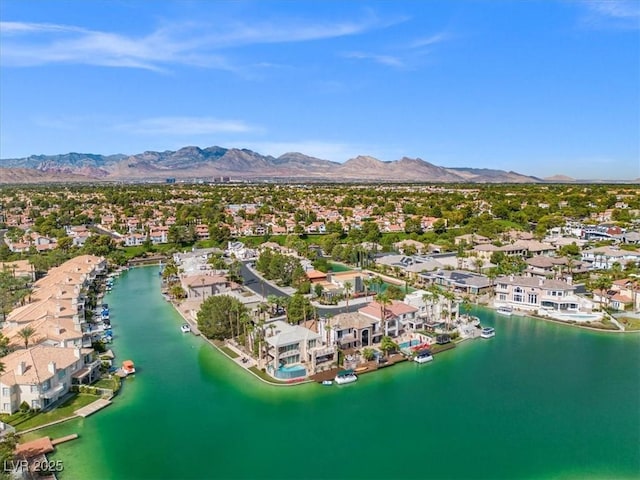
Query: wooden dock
x=60 y=440
x=92 y=407
x=367 y=367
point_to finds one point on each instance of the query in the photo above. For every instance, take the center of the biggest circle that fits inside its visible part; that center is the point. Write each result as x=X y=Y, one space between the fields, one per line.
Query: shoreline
x=519 y=313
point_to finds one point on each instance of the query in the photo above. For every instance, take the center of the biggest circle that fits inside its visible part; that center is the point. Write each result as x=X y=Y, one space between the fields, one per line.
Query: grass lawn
x=630 y=323
x=229 y=352
x=62 y=411
x=264 y=376
x=105 y=383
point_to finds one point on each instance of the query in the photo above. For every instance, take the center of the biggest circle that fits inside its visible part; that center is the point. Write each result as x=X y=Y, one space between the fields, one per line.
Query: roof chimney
x=21 y=368
x=76 y=352
x=51 y=367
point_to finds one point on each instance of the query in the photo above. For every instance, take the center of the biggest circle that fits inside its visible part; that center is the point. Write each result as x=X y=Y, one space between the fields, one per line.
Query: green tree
x=217 y=316
x=299 y=309
x=387 y=345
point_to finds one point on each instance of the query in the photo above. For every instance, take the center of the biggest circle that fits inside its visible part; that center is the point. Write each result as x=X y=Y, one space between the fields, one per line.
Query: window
x=502 y=297
x=532 y=298
x=6 y=407
x=35 y=404
x=34 y=388
x=61 y=374
x=6 y=391
x=46 y=385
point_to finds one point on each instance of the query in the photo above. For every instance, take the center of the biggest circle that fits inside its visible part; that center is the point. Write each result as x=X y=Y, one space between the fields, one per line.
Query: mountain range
x=191 y=163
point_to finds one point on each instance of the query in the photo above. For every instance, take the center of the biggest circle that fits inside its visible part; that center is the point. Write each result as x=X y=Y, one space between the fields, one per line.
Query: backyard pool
x=409 y=344
x=291 y=371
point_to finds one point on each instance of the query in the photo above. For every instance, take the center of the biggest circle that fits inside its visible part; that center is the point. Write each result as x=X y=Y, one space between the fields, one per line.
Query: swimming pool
x=409 y=344
x=291 y=371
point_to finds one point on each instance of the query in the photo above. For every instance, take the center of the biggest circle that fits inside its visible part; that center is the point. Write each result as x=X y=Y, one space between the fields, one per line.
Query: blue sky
x=538 y=87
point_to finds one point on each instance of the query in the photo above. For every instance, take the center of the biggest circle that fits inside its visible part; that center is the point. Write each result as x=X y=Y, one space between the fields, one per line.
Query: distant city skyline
x=540 y=87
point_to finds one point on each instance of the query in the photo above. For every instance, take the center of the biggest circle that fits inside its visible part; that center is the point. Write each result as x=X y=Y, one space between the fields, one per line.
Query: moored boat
x=487 y=332
x=345 y=376
x=423 y=356
x=327 y=382
x=505 y=311
x=185 y=328
x=128 y=367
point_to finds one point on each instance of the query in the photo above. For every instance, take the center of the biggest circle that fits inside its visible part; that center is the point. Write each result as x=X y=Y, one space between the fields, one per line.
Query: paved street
x=254 y=282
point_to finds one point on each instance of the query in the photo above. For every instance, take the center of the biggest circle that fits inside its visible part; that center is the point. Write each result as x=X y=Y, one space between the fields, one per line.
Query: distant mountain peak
x=191 y=162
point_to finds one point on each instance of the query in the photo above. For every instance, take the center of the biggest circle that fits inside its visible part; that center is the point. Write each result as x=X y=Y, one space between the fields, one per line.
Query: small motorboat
x=345 y=376
x=488 y=332
x=508 y=311
x=423 y=356
x=327 y=382
x=185 y=328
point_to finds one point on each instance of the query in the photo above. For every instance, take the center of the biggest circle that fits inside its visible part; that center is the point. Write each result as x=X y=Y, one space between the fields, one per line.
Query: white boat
x=345 y=377
x=327 y=382
x=505 y=311
x=488 y=332
x=423 y=357
x=185 y=328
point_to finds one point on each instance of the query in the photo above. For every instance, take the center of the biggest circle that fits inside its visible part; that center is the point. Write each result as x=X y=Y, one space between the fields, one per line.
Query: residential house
x=41 y=375
x=201 y=286
x=605 y=257
x=460 y=281
x=398 y=317
x=535 y=294
x=289 y=345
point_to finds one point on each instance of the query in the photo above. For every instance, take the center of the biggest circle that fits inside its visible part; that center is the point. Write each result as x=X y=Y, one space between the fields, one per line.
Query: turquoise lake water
x=539 y=400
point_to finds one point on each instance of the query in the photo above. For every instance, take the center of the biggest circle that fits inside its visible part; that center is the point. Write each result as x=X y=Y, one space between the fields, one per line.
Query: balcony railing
x=52 y=392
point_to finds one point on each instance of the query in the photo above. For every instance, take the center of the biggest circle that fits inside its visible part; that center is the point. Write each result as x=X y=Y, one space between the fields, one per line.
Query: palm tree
x=450 y=297
x=603 y=283
x=466 y=305
x=367 y=286
x=348 y=287
x=26 y=333
x=383 y=300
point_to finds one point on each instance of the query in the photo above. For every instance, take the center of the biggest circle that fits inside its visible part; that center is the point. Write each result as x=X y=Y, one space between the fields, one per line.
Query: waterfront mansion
x=539 y=295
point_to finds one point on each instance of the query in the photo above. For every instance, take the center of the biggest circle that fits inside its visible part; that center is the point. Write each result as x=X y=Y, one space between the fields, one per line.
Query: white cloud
x=617 y=14
x=185 y=126
x=388 y=60
x=196 y=44
x=427 y=41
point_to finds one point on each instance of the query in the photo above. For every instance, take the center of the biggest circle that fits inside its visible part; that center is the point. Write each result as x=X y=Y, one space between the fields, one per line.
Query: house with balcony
x=41 y=375
x=536 y=294
x=289 y=346
x=352 y=330
x=433 y=310
x=394 y=319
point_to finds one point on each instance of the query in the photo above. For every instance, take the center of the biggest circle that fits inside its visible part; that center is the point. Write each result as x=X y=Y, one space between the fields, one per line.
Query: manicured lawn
x=63 y=411
x=229 y=352
x=105 y=383
x=630 y=323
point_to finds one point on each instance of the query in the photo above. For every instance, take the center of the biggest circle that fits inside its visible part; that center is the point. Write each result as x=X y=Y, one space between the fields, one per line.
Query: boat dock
x=60 y=440
x=367 y=367
x=92 y=408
